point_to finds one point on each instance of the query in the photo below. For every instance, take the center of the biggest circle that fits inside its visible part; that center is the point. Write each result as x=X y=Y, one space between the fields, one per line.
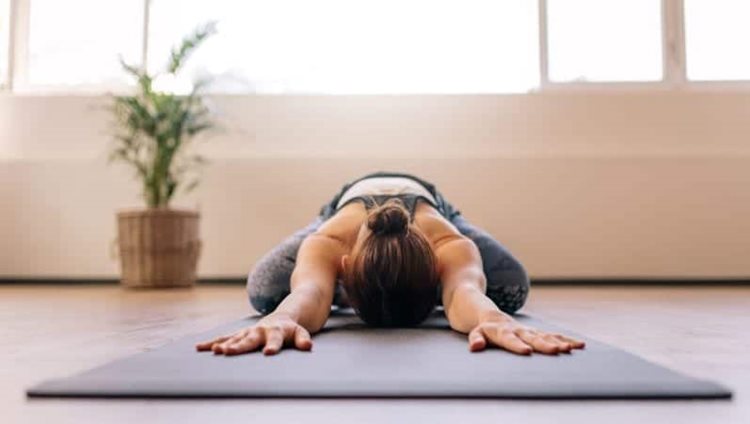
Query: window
x=375 y=46
x=77 y=42
x=356 y=46
x=604 y=40
x=717 y=39
x=4 y=40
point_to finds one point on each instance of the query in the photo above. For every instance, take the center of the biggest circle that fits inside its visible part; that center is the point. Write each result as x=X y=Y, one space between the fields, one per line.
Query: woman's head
x=391 y=276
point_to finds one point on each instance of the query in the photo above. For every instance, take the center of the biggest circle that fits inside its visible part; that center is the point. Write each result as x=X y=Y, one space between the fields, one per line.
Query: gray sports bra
x=409 y=200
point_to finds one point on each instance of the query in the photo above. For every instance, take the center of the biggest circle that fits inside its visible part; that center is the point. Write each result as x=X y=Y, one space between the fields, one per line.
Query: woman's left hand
x=514 y=337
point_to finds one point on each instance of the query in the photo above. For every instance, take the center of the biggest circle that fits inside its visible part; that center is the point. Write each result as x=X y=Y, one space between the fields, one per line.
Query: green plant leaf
x=180 y=54
x=191 y=186
x=154 y=129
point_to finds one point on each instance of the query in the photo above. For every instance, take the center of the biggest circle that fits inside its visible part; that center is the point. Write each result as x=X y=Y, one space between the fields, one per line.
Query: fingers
x=506 y=339
x=549 y=343
x=270 y=337
x=562 y=346
x=252 y=341
x=574 y=343
x=302 y=339
x=204 y=346
x=541 y=343
x=477 y=341
x=221 y=348
x=521 y=340
x=274 y=340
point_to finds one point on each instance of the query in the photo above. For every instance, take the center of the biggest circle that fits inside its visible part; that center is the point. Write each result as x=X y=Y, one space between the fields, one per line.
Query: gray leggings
x=507 y=281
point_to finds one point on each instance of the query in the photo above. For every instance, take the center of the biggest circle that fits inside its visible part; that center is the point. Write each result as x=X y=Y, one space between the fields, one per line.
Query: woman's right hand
x=271 y=333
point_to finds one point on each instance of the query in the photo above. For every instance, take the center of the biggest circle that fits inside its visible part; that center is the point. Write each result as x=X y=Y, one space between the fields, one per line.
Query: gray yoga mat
x=350 y=360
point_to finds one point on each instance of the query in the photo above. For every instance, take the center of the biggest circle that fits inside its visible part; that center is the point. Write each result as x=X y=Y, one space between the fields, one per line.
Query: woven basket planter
x=158 y=247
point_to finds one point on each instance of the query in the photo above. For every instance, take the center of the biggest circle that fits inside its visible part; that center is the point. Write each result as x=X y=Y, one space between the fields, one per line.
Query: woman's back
x=354 y=205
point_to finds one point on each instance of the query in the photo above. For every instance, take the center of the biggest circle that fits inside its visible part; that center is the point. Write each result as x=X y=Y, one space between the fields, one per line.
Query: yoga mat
x=350 y=360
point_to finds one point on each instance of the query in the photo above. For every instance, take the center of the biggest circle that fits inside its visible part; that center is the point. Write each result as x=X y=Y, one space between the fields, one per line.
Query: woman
x=391 y=247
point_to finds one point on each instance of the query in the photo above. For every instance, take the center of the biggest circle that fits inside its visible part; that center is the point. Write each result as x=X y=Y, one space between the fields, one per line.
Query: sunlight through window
x=717 y=34
x=356 y=46
x=77 y=42
x=604 y=40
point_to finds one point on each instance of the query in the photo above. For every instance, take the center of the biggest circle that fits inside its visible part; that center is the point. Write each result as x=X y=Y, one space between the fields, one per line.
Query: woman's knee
x=507 y=280
x=268 y=282
x=508 y=286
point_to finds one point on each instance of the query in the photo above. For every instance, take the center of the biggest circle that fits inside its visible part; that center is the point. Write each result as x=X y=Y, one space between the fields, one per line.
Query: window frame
x=674 y=65
x=6 y=82
x=671 y=60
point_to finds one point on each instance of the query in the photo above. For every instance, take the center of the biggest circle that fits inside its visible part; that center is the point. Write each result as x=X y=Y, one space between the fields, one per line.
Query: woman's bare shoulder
x=344 y=225
x=453 y=250
x=435 y=227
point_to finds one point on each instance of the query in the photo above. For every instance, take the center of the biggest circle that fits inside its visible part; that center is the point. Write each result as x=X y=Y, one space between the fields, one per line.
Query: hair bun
x=389 y=218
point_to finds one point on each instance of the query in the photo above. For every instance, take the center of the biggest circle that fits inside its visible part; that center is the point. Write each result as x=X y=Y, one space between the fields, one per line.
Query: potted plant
x=159 y=246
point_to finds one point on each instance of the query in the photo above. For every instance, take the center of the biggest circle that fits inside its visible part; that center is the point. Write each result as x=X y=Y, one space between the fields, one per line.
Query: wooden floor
x=48 y=332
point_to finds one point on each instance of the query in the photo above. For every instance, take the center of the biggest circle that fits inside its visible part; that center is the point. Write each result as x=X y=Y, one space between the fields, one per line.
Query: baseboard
x=542 y=281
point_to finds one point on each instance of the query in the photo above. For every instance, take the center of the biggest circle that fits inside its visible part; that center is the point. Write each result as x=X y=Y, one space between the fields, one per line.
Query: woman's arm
x=304 y=311
x=313 y=282
x=471 y=312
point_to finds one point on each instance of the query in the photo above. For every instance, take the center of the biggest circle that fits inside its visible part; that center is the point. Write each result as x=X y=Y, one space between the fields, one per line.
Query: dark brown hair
x=391 y=280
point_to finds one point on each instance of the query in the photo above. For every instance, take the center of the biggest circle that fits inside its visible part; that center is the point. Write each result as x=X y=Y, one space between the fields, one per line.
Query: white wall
x=607 y=184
